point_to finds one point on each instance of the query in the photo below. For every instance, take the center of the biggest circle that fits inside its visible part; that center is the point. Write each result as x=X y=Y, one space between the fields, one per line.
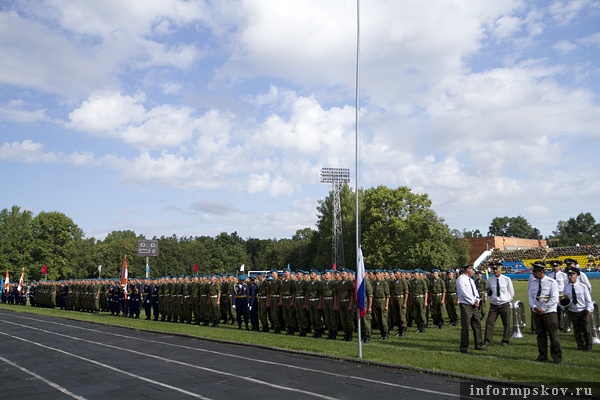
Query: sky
x=192 y=118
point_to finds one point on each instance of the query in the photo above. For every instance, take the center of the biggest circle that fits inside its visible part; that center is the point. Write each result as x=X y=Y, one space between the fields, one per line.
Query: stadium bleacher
x=588 y=257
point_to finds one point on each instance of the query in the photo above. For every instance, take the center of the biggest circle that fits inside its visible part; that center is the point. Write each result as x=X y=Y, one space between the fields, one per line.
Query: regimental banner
x=147 y=248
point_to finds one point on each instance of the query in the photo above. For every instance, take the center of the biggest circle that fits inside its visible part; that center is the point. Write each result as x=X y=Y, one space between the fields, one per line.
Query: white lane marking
x=318 y=395
x=359 y=378
x=102 y=364
x=46 y=381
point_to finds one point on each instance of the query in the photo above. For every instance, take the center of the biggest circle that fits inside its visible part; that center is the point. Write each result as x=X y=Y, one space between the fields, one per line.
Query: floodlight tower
x=336 y=176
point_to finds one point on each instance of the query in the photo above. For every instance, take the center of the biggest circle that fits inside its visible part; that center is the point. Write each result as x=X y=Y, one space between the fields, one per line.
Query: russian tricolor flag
x=359 y=285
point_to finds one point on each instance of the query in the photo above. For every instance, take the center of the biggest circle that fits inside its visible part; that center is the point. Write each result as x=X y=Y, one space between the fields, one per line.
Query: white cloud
x=13 y=111
x=564 y=46
x=32 y=152
x=507 y=26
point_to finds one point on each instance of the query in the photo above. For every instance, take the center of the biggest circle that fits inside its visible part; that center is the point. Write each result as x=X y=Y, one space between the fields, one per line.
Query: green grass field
x=435 y=350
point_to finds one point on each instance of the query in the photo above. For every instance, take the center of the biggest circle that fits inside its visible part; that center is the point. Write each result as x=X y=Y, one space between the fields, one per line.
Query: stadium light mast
x=337 y=177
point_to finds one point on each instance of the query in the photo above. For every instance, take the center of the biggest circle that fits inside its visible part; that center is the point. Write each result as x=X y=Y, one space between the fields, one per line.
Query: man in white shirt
x=468 y=299
x=543 y=299
x=561 y=279
x=500 y=294
x=582 y=277
x=579 y=309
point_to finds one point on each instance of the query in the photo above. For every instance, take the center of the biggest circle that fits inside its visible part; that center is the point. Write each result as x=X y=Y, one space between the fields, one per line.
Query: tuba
x=518 y=312
x=564 y=321
x=564 y=301
x=594 y=320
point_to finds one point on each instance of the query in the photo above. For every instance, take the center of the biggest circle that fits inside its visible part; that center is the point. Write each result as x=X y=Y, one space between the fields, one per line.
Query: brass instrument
x=564 y=301
x=565 y=322
x=518 y=312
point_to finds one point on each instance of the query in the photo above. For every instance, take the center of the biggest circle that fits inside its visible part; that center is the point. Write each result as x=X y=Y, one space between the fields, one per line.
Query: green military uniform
x=329 y=297
x=366 y=319
x=204 y=301
x=451 y=299
x=196 y=300
x=287 y=294
x=398 y=302
x=381 y=298
x=418 y=295
x=345 y=290
x=314 y=303
x=302 y=316
x=225 y=309
x=274 y=302
x=169 y=298
x=437 y=296
x=481 y=284
x=162 y=301
x=187 y=302
x=264 y=290
x=214 y=294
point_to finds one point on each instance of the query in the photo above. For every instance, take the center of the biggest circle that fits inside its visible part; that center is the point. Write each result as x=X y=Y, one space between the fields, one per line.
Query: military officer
x=419 y=297
x=481 y=284
x=240 y=295
x=437 y=298
x=287 y=296
x=314 y=302
x=580 y=309
x=500 y=293
x=345 y=304
x=543 y=298
x=302 y=316
x=451 y=298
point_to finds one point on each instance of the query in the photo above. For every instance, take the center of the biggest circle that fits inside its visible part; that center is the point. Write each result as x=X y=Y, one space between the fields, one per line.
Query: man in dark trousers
x=543 y=299
x=468 y=298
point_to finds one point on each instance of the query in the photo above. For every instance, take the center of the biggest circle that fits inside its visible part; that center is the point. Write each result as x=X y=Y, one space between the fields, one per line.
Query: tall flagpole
x=356 y=156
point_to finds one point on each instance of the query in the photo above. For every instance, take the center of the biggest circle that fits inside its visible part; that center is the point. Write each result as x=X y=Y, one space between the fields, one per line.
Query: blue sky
x=195 y=118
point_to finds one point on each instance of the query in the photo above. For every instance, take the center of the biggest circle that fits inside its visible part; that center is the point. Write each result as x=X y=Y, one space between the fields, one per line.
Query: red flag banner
x=196 y=268
x=44 y=269
x=334 y=266
x=6 y=281
x=124 y=274
x=20 y=285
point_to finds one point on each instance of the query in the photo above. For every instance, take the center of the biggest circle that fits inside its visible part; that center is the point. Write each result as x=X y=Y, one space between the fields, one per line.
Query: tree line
x=399 y=229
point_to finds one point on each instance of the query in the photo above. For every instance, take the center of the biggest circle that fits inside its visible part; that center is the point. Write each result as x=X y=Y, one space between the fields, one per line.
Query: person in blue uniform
x=253 y=303
x=147 y=298
x=240 y=293
x=154 y=299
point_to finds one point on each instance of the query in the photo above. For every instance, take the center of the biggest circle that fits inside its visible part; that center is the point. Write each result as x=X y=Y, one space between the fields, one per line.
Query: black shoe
x=482 y=347
x=540 y=359
x=215 y=325
x=367 y=339
x=385 y=337
x=464 y=351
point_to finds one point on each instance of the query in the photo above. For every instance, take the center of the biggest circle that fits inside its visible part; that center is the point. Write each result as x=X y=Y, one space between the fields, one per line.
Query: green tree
x=54 y=237
x=582 y=230
x=114 y=248
x=16 y=241
x=469 y=234
x=517 y=227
